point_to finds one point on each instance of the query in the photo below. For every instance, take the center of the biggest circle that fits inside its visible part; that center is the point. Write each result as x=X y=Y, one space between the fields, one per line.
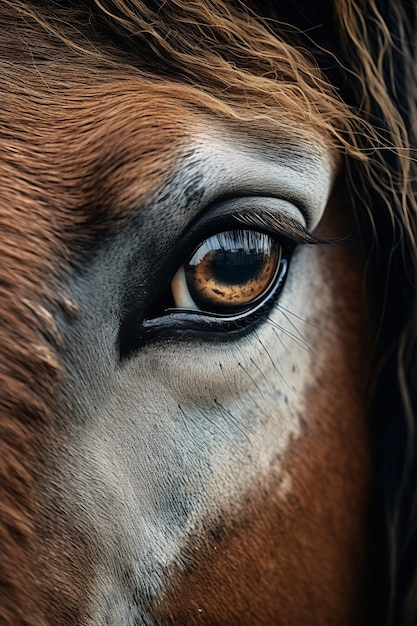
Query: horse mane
x=374 y=46
x=345 y=71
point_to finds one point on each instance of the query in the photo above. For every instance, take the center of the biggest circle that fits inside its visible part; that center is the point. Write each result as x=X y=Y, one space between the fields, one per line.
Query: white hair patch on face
x=300 y=173
x=170 y=437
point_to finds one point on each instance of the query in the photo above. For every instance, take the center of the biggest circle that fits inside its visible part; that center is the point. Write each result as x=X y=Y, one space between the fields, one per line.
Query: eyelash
x=162 y=318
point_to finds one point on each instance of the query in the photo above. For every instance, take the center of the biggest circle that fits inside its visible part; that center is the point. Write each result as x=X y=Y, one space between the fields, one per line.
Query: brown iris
x=232 y=270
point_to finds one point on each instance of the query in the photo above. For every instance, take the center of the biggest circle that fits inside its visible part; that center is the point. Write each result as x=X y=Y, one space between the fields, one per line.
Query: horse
x=208 y=305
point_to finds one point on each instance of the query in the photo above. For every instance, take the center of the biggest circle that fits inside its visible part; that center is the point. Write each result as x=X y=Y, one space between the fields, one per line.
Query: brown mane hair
x=349 y=77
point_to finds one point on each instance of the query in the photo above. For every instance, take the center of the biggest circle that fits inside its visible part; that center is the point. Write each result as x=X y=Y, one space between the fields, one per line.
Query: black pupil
x=234 y=267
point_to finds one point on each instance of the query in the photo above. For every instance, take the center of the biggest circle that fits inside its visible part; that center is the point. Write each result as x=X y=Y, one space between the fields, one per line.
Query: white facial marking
x=301 y=174
x=174 y=436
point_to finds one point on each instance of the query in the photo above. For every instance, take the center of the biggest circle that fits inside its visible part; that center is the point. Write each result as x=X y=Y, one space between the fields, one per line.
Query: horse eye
x=228 y=273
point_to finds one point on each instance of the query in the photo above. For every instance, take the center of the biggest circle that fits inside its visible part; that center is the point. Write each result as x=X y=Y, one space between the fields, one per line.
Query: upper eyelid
x=277 y=223
x=266 y=214
x=278 y=216
x=298 y=174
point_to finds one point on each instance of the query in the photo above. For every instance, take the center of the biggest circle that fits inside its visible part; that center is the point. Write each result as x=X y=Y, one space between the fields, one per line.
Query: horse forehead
x=95 y=149
x=109 y=146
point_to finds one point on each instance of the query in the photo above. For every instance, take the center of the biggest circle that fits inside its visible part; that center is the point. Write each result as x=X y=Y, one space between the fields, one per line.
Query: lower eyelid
x=186 y=323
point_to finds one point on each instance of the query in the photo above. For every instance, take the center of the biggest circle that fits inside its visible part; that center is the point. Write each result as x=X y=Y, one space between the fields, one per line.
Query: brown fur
x=63 y=178
x=34 y=247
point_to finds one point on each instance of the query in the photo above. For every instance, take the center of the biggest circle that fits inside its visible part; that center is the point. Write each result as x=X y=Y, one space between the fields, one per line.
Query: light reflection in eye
x=228 y=272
